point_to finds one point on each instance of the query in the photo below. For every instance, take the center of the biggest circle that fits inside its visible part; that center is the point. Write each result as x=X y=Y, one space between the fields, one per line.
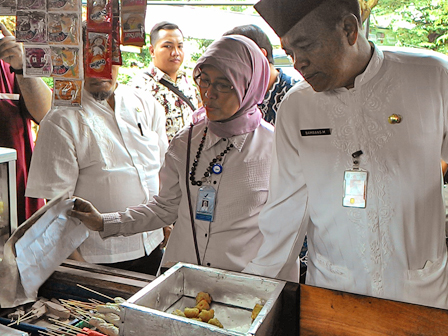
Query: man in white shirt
x=356 y=161
x=109 y=152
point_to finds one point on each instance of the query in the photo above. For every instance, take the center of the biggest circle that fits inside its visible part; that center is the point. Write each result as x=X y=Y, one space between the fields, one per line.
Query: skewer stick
x=60 y=329
x=78 y=304
x=96 y=301
x=65 y=325
x=48 y=333
x=76 y=312
x=21 y=319
x=56 y=332
x=91 y=290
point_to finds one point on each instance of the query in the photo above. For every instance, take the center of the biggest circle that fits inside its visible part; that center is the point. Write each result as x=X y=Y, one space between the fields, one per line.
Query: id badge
x=205 y=206
x=355 y=189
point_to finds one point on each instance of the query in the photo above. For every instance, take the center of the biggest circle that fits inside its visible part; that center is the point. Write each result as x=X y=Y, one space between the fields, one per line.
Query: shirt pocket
x=425 y=285
x=330 y=275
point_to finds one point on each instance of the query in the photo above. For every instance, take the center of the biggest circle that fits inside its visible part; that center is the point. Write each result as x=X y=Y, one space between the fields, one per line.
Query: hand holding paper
x=88 y=214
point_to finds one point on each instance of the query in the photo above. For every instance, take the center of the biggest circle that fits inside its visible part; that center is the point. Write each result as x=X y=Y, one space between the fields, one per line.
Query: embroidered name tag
x=320 y=131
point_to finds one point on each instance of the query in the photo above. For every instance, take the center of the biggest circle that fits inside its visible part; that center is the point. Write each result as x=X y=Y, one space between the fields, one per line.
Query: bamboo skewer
x=21 y=319
x=65 y=332
x=96 y=301
x=48 y=333
x=78 y=303
x=91 y=290
x=67 y=326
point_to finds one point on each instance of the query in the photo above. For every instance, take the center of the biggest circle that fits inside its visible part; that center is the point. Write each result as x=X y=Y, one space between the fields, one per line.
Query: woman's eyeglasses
x=205 y=84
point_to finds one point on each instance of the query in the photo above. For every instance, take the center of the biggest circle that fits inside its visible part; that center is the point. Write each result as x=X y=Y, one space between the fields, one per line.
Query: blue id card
x=205 y=206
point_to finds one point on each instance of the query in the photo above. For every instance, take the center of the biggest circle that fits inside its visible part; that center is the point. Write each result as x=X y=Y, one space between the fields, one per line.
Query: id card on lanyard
x=355 y=185
x=205 y=206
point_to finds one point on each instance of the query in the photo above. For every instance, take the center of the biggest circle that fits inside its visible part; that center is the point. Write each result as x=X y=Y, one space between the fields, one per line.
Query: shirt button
x=224 y=139
x=214 y=182
x=208 y=264
x=205 y=235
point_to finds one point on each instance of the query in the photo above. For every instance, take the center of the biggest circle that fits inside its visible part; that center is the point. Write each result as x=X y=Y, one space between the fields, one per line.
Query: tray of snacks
x=194 y=300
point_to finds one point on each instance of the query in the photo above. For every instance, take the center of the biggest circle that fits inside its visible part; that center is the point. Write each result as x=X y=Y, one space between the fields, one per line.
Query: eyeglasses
x=220 y=87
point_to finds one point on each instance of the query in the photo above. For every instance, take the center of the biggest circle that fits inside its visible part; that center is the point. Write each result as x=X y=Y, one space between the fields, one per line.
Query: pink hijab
x=244 y=65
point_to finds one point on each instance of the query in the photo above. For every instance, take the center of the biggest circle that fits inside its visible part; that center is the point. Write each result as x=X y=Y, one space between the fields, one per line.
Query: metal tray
x=234 y=296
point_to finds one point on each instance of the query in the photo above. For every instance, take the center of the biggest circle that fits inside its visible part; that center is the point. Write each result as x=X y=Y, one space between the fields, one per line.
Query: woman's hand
x=88 y=214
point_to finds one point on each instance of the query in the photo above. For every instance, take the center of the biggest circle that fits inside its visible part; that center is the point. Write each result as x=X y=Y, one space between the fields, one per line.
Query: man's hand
x=88 y=214
x=10 y=50
x=166 y=234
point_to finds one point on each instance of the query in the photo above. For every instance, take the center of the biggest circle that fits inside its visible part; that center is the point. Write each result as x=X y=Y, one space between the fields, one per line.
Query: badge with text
x=205 y=206
x=314 y=132
x=355 y=188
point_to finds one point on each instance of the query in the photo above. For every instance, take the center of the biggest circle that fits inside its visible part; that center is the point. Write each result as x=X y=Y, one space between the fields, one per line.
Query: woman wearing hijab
x=215 y=178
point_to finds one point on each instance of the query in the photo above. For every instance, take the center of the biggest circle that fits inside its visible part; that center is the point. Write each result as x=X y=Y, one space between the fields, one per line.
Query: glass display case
x=8 y=196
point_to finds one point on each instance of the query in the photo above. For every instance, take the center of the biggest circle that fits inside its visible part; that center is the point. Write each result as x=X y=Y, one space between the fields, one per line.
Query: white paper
x=47 y=244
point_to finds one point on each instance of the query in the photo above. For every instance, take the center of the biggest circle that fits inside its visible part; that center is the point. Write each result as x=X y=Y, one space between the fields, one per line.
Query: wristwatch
x=16 y=71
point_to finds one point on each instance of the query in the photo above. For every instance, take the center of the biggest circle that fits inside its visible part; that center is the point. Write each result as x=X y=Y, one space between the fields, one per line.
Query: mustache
x=102 y=95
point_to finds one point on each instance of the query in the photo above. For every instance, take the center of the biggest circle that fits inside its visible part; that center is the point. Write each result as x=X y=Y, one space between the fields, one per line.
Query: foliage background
x=418 y=24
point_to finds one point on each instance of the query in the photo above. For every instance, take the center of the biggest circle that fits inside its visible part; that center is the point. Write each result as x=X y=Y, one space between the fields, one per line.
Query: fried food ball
x=191 y=312
x=256 y=311
x=196 y=319
x=104 y=327
x=203 y=296
x=178 y=312
x=119 y=300
x=203 y=304
x=215 y=322
x=206 y=315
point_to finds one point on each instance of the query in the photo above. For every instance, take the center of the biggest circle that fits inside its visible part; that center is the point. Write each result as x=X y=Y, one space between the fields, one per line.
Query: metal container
x=7 y=331
x=8 y=197
x=234 y=296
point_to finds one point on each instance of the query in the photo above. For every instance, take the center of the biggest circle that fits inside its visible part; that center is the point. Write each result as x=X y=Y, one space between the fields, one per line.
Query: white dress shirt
x=395 y=247
x=103 y=157
x=233 y=238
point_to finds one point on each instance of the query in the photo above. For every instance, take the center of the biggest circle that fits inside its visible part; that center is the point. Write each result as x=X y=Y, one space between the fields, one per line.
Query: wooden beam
x=328 y=312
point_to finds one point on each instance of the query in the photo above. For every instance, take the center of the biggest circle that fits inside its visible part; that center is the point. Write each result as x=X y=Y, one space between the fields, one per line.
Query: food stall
x=290 y=308
x=159 y=304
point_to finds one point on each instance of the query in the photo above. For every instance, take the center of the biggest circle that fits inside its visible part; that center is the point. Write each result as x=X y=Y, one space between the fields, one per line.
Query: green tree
x=428 y=21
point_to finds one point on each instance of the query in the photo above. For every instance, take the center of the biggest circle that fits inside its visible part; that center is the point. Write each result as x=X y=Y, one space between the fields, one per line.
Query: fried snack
x=206 y=315
x=104 y=327
x=119 y=300
x=191 y=312
x=108 y=308
x=112 y=318
x=178 y=312
x=203 y=296
x=215 y=322
x=196 y=319
x=203 y=304
x=256 y=311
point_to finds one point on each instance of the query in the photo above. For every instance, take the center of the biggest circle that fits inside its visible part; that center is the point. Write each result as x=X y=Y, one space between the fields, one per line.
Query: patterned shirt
x=395 y=247
x=275 y=95
x=178 y=113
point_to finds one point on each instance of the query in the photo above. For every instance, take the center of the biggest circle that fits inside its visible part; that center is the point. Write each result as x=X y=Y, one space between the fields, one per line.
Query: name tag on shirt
x=10 y=96
x=318 y=131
